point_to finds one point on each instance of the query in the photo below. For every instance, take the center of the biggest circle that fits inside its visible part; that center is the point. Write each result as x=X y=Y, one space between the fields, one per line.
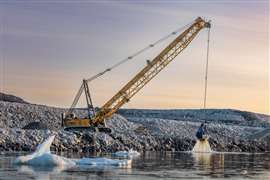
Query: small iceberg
x=43 y=157
x=127 y=154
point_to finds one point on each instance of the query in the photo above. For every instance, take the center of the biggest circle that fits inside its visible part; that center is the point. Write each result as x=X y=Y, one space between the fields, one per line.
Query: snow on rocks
x=151 y=130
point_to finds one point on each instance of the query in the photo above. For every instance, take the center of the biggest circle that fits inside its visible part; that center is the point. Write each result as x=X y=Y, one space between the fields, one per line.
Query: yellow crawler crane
x=97 y=120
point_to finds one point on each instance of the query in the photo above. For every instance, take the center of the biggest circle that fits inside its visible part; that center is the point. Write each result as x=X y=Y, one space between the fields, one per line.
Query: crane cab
x=73 y=123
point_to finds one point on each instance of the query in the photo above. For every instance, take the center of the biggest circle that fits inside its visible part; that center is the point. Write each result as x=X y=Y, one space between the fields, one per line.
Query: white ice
x=127 y=154
x=43 y=157
x=103 y=162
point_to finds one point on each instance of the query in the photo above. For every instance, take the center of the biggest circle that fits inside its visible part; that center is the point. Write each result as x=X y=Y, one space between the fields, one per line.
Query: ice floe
x=127 y=154
x=43 y=157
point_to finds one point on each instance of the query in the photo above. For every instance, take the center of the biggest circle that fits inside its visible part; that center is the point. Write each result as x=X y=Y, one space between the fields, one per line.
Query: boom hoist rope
x=81 y=89
x=138 y=53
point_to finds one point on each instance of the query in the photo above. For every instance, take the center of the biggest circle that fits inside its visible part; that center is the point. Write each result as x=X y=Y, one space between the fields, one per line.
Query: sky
x=48 y=47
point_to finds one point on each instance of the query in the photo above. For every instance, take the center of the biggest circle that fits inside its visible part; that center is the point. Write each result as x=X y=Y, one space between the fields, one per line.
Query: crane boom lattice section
x=150 y=71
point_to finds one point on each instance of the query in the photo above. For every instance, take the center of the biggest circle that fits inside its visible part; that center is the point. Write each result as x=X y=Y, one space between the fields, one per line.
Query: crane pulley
x=139 y=81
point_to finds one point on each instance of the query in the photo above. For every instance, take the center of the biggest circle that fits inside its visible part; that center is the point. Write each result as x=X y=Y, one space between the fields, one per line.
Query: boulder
x=35 y=125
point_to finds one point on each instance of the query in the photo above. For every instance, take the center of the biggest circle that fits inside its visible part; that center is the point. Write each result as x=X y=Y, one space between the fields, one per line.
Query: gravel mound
x=35 y=125
x=18 y=115
x=152 y=130
x=218 y=116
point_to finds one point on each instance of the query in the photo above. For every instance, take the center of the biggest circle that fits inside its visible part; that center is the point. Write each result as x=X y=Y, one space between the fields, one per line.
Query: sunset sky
x=48 y=47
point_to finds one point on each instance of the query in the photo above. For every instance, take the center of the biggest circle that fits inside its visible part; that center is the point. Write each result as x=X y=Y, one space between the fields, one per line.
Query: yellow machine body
x=77 y=122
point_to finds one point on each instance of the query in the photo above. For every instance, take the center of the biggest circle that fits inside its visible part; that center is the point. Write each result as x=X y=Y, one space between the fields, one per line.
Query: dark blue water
x=151 y=165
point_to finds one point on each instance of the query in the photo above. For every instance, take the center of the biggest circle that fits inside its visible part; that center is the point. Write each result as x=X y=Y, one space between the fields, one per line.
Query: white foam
x=43 y=157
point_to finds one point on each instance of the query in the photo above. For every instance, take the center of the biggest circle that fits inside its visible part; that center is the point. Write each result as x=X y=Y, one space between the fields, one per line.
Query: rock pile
x=139 y=133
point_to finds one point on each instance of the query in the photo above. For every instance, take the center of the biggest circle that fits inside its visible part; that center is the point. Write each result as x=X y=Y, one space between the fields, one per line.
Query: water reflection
x=48 y=173
x=153 y=165
x=228 y=165
x=211 y=164
x=37 y=173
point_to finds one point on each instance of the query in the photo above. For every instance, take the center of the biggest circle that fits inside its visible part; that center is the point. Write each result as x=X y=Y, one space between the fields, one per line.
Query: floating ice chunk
x=41 y=149
x=45 y=146
x=43 y=157
x=125 y=154
x=48 y=159
x=103 y=162
x=133 y=153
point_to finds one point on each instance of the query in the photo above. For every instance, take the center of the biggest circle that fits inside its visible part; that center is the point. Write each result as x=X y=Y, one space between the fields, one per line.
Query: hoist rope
x=206 y=69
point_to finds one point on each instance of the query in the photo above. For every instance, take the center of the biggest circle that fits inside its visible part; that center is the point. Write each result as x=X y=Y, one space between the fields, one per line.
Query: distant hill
x=224 y=116
x=11 y=98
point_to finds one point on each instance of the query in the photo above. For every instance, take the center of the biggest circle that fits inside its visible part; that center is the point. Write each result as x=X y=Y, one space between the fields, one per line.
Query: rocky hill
x=11 y=98
x=218 y=116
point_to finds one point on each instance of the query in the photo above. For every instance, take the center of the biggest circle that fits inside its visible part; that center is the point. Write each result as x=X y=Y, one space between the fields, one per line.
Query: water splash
x=202 y=146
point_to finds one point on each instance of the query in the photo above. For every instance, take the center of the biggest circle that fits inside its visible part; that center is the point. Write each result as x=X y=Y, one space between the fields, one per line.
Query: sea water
x=148 y=166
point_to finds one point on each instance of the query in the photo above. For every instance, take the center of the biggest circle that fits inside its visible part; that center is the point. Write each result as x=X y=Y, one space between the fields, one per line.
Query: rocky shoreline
x=143 y=131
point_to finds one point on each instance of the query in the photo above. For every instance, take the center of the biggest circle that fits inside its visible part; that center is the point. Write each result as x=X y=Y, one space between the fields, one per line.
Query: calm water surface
x=151 y=165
